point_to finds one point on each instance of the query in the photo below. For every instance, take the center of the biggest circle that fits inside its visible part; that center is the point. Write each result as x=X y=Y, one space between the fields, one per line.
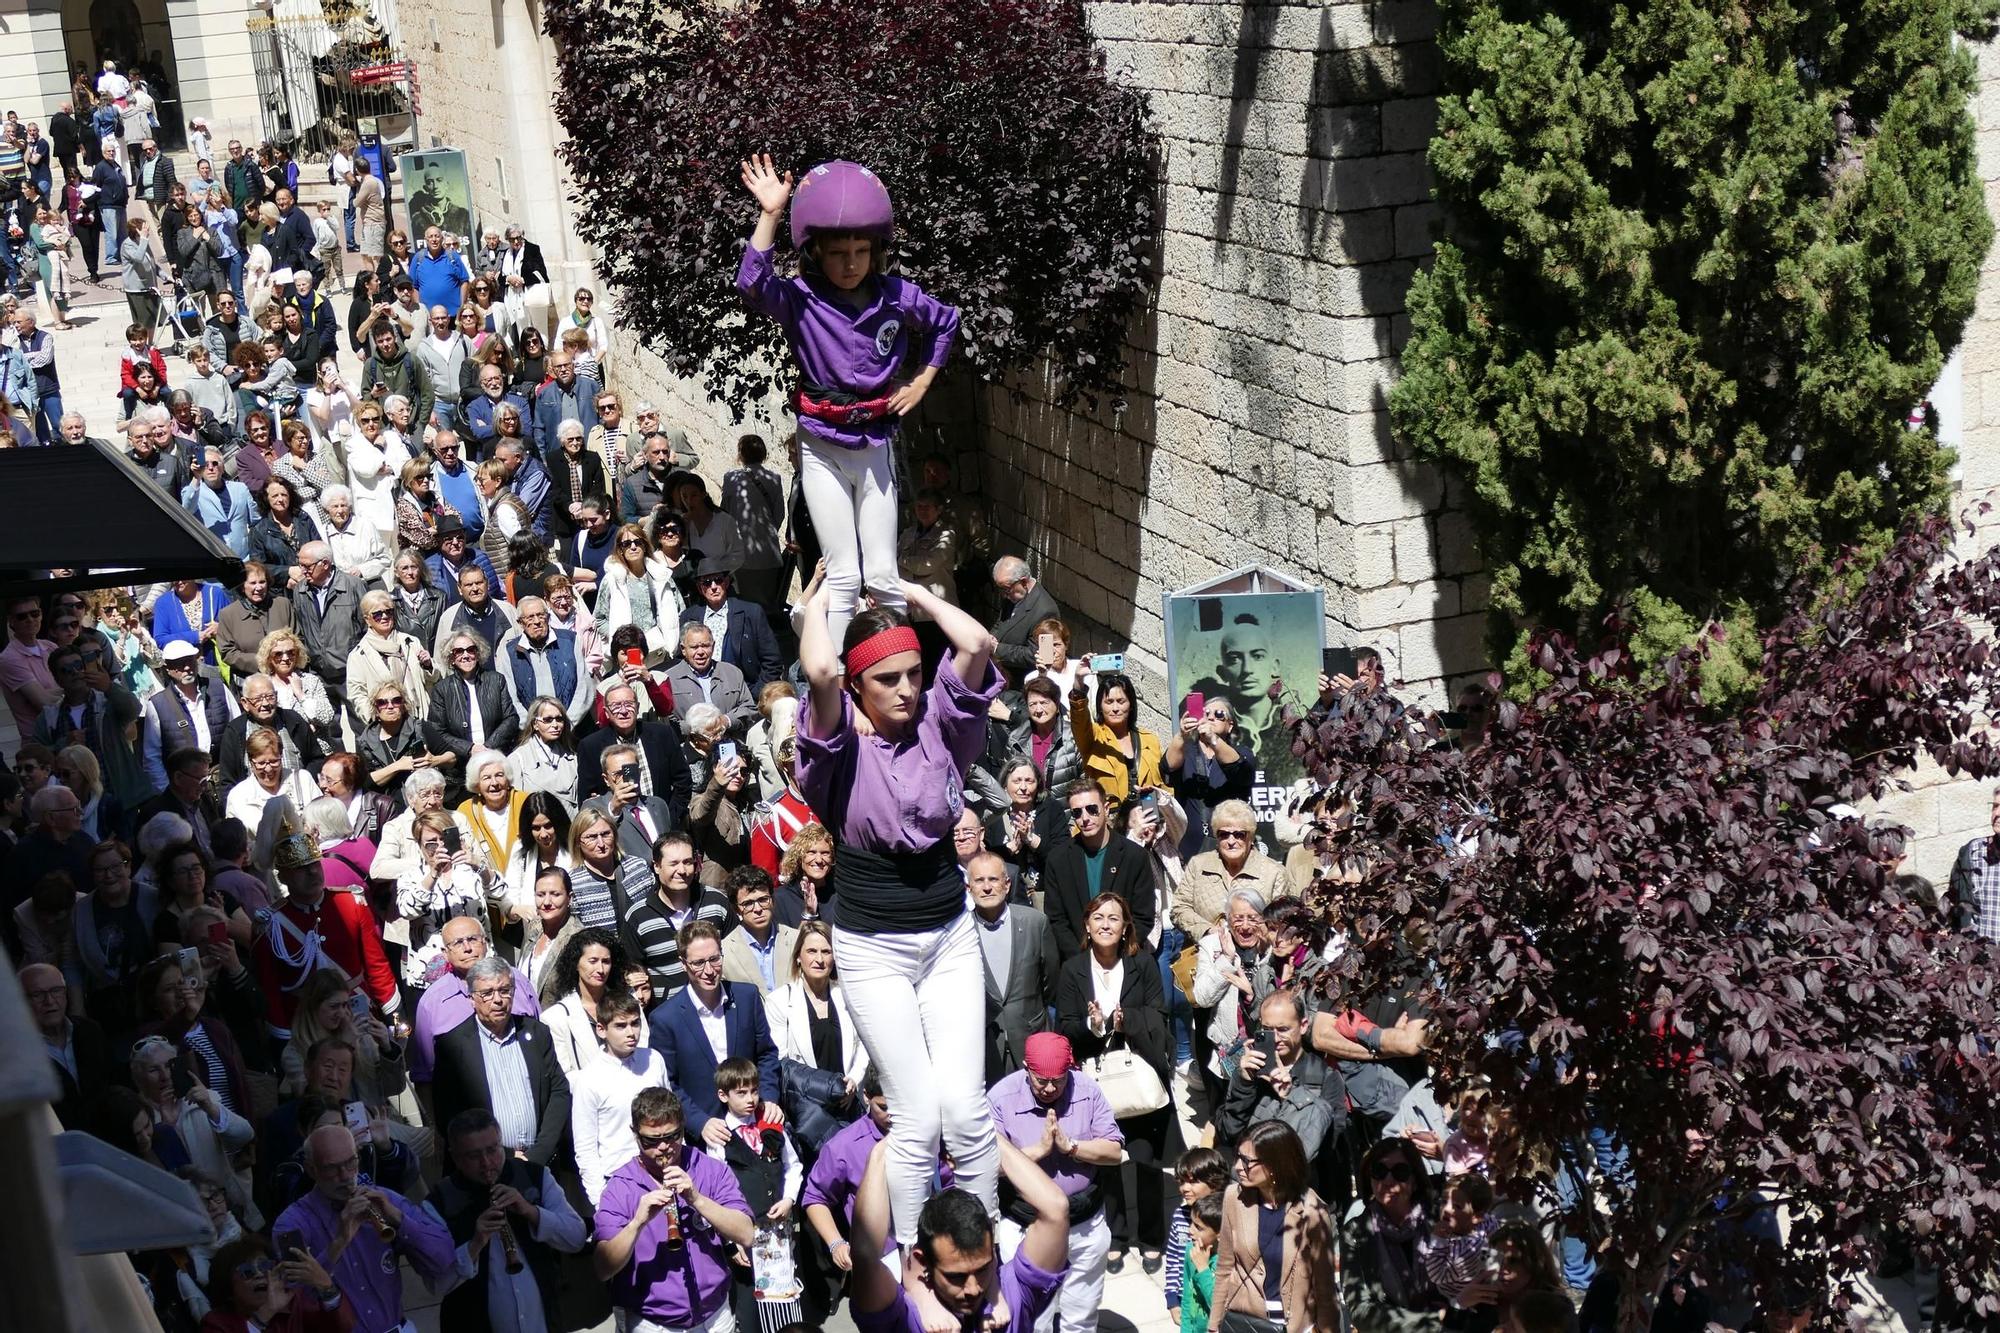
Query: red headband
x=884 y=643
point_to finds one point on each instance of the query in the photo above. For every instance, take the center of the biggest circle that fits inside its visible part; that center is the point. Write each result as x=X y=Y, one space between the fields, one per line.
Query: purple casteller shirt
x=905 y=797
x=369 y=1278
x=836 y=1176
x=839 y=347
x=678 y=1288
x=443 y=1006
x=1026 y=1289
x=1082 y=1112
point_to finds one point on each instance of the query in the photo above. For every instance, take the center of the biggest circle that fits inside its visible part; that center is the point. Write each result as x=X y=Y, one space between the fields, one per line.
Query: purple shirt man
x=368 y=1274
x=1081 y=1111
x=886 y=797
x=836 y=1174
x=680 y=1287
x=857 y=351
x=1026 y=1289
x=446 y=1003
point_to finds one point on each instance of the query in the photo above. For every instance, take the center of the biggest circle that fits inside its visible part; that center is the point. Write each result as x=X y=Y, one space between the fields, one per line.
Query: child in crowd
x=1204 y=1227
x=602 y=1088
x=326 y=246
x=577 y=343
x=759 y=1153
x=868 y=346
x=1201 y=1172
x=277 y=389
x=139 y=347
x=1459 y=1257
x=1467 y=1148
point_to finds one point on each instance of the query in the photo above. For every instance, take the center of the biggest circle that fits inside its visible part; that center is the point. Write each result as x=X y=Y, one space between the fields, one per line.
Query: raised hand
x=770 y=190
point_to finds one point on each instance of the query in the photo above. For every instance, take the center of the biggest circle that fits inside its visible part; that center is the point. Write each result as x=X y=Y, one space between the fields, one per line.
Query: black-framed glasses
x=656 y=1140
x=1231 y=835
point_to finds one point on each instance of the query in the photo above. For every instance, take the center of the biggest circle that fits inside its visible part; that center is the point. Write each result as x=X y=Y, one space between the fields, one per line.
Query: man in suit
x=76 y=1046
x=681 y=1036
x=567 y=396
x=646 y=487
x=504 y=1062
x=699 y=678
x=524 y=274
x=1093 y=862
x=185 y=790
x=759 y=950
x=1019 y=952
x=327 y=614
x=1024 y=604
x=640 y=818
x=740 y=629
x=663 y=772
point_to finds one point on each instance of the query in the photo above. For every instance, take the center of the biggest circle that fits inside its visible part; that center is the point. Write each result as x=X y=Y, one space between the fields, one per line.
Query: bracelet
x=329 y=1299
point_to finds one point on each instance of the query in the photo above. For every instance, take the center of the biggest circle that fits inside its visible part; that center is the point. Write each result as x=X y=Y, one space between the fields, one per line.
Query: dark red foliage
x=1650 y=901
x=1022 y=175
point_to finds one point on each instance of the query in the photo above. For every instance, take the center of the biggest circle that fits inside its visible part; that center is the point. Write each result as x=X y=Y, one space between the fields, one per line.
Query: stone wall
x=1296 y=208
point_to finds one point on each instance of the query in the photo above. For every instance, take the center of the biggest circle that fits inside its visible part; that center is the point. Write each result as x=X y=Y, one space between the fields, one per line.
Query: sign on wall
x=1252 y=637
x=438 y=189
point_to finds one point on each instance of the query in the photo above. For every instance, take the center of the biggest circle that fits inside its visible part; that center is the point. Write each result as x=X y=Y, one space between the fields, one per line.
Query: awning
x=88 y=510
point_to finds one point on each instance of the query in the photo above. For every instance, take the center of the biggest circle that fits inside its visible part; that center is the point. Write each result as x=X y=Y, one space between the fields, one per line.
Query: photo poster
x=1260 y=650
x=437 y=192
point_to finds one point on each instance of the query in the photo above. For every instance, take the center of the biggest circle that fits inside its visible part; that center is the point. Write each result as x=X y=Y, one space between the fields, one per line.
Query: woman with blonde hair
x=393 y=744
x=76 y=768
x=267 y=780
x=821 y=1059
x=385 y=655
x=604 y=883
x=418 y=508
x=117 y=617
x=624 y=594
x=327 y=1009
x=805 y=876
x=444 y=882
x=281 y=655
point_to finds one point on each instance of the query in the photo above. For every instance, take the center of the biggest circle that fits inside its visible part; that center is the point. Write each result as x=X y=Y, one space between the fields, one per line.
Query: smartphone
x=218 y=932
x=1267 y=1042
x=635 y=657
x=1197 y=704
x=629 y=773
x=356 y=1116
x=452 y=841
x=1338 y=662
x=285 y=1242
x=1046 y=643
x=1107 y=662
x=358 y=1003
x=183 y=1080
x=189 y=963
x=726 y=750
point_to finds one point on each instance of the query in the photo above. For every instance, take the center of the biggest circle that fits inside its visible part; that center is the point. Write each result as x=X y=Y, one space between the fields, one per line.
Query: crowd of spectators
x=443 y=894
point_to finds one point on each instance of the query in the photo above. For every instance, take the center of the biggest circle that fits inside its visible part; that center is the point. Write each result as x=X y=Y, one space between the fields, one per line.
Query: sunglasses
x=394 y=700
x=256 y=1268
x=656 y=1140
x=632 y=541
x=465 y=652
x=374 y=615
x=1390 y=1171
x=1230 y=835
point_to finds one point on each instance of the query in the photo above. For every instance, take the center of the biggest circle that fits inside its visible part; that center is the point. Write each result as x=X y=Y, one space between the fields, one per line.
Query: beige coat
x=739 y=961
x=375 y=661
x=1310 y=1283
x=1206 y=885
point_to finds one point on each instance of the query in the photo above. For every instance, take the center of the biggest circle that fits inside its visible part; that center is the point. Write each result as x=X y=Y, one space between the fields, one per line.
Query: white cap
x=178 y=651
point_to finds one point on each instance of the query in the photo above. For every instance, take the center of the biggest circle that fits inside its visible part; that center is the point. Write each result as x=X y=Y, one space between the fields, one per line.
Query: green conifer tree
x=1704 y=258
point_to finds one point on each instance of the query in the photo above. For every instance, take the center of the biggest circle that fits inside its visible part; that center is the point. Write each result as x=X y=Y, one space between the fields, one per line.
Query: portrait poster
x=1252 y=637
x=437 y=190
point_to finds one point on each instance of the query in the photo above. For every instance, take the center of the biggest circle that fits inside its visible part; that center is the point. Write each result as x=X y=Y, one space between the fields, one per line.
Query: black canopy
x=88 y=510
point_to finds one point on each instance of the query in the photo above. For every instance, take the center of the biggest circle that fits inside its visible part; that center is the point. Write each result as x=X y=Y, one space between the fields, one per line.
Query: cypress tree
x=1704 y=258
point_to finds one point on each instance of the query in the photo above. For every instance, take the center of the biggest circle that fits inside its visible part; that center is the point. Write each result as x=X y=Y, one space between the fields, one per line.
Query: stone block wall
x=1296 y=207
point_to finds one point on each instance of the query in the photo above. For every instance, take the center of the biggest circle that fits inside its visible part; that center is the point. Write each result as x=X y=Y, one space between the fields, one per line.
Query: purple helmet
x=841 y=196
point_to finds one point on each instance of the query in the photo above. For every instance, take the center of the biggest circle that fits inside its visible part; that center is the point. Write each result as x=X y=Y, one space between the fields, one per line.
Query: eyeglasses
x=1390 y=1170
x=1231 y=835
x=256 y=1268
x=285 y=654
x=552 y=717
x=705 y=965
x=585 y=300
x=1246 y=1160
x=390 y=701
x=1092 y=809
x=656 y=1140
x=632 y=541
x=464 y=652
x=376 y=615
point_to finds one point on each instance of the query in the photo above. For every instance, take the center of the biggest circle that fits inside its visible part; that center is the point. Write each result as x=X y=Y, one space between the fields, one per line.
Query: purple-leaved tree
x=1644 y=920
x=1022 y=173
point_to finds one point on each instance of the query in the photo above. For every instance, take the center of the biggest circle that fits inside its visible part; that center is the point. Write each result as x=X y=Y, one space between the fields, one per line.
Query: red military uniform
x=774 y=826
x=339 y=932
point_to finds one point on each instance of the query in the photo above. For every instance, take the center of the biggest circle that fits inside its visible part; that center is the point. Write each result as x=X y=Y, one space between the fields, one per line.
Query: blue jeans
x=8 y=262
x=48 y=418
x=235 y=263
x=1180 y=1013
x=114 y=232
x=347 y=217
x=1579 y=1266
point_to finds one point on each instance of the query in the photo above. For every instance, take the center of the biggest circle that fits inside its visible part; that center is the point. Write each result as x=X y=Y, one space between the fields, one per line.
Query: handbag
x=1184 y=965
x=1235 y=1321
x=1129 y=1084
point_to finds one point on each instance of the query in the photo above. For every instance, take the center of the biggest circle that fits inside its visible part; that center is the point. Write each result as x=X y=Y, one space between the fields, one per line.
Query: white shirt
x=1105 y=988
x=714 y=1022
x=472 y=712
x=600 y=1112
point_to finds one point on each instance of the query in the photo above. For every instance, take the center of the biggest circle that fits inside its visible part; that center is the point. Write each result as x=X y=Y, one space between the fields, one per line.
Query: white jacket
x=789 y=1013
x=600 y=1111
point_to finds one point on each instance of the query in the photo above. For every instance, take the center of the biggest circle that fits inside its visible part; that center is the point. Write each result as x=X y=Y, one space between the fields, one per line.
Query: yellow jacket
x=1103 y=760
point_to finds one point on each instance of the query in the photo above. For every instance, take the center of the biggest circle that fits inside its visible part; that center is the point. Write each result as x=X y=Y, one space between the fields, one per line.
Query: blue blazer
x=749 y=646
x=479 y=412
x=171 y=623
x=677 y=1036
